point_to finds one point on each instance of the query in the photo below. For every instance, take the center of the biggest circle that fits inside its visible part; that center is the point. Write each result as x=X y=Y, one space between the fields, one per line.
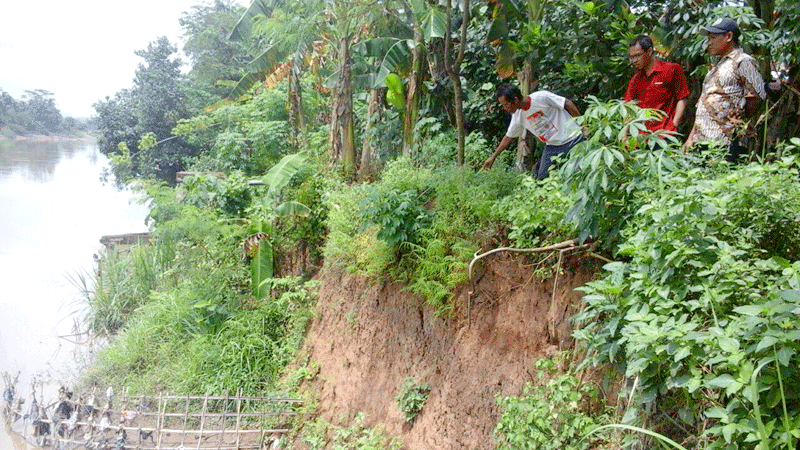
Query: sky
x=82 y=50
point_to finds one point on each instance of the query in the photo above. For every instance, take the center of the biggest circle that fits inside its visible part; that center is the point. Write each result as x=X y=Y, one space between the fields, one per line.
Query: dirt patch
x=370 y=336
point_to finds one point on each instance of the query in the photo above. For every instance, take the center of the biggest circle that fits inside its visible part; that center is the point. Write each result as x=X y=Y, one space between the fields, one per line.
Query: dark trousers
x=551 y=151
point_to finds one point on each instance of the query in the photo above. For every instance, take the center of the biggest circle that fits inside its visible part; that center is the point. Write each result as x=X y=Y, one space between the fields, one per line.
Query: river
x=53 y=211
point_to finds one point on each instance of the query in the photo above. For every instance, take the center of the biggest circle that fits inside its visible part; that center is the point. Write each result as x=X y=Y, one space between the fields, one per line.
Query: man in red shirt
x=656 y=84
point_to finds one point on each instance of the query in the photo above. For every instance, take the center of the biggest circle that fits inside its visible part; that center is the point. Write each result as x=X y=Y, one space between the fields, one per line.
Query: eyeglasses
x=636 y=55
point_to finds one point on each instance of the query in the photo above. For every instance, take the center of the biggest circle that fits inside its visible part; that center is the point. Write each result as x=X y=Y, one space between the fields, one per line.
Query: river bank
x=47 y=138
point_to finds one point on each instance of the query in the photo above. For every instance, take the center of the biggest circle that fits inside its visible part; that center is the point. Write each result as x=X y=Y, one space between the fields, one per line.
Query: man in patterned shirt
x=732 y=90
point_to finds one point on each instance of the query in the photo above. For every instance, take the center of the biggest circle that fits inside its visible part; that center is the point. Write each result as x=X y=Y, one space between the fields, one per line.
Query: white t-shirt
x=546 y=118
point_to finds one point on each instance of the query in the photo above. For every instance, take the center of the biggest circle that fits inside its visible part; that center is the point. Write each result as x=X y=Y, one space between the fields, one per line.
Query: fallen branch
x=560 y=247
x=570 y=244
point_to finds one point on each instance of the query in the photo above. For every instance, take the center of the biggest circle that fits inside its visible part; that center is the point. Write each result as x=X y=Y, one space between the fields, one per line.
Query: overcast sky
x=81 y=51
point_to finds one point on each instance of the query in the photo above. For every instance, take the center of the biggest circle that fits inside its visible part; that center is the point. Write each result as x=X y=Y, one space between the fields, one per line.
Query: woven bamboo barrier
x=167 y=422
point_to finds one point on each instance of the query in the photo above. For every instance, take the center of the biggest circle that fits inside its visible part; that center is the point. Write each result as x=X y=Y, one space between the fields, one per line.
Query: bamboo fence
x=169 y=422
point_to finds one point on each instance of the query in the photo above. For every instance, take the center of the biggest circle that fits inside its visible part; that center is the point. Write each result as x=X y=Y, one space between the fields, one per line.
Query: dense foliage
x=36 y=113
x=696 y=313
x=554 y=414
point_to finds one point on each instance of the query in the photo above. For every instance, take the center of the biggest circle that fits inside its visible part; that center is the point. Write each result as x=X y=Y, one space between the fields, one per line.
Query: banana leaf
x=280 y=174
x=434 y=24
x=243 y=30
x=258 y=68
x=292 y=207
x=262 y=269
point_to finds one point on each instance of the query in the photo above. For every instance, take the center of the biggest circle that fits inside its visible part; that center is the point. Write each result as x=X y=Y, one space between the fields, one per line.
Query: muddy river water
x=53 y=210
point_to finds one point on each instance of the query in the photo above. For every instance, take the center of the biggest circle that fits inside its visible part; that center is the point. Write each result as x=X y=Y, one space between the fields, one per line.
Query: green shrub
x=700 y=307
x=230 y=196
x=309 y=231
x=607 y=173
x=417 y=226
x=411 y=398
x=320 y=434
x=399 y=216
x=347 y=244
x=536 y=212
x=555 y=414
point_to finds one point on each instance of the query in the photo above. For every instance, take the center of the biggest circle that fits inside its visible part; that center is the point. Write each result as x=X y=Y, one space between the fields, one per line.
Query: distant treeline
x=36 y=113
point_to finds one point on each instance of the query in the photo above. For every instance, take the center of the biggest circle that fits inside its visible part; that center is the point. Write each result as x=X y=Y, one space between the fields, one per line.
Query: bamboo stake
x=261 y=425
x=141 y=409
x=202 y=421
x=238 y=414
x=185 y=419
x=158 y=421
x=224 y=410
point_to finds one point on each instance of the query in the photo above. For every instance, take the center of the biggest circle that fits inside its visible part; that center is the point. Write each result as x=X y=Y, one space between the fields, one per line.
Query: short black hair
x=643 y=41
x=509 y=91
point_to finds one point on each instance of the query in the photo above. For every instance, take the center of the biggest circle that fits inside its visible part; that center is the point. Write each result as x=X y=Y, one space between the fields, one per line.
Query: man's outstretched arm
x=504 y=143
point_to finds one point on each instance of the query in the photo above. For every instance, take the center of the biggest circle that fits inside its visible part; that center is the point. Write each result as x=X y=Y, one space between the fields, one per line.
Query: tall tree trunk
x=412 y=96
x=369 y=157
x=296 y=115
x=454 y=71
x=342 y=126
x=525 y=78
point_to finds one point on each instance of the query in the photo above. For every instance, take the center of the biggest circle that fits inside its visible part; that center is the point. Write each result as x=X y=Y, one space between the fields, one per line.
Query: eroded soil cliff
x=368 y=337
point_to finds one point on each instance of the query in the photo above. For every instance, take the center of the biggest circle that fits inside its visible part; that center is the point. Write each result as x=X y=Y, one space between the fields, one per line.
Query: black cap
x=723 y=25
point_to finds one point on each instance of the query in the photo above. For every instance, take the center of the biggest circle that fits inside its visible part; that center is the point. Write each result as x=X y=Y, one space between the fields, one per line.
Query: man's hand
x=505 y=142
x=689 y=140
x=488 y=163
x=687 y=145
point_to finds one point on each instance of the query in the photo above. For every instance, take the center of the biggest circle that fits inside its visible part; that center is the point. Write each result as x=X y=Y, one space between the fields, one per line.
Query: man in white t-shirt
x=547 y=116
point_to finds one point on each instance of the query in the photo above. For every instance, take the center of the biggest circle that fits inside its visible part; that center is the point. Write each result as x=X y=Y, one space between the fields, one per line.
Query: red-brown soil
x=368 y=337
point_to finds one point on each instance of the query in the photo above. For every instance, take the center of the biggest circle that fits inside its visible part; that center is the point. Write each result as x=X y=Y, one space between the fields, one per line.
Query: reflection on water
x=53 y=211
x=36 y=160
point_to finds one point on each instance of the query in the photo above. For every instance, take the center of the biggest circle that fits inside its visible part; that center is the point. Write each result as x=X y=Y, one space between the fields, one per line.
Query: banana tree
x=342 y=127
x=415 y=23
x=257 y=247
x=284 y=39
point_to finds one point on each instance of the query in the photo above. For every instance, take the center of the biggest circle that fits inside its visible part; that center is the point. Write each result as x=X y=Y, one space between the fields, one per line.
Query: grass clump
x=417 y=226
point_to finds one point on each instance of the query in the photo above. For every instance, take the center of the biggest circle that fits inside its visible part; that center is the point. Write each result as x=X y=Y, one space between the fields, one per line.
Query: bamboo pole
x=185 y=419
x=238 y=415
x=202 y=421
x=224 y=410
x=159 y=421
x=141 y=409
x=263 y=439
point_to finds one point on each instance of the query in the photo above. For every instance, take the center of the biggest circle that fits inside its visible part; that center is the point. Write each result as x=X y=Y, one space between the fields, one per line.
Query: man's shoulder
x=540 y=94
x=742 y=56
x=543 y=95
x=737 y=55
x=667 y=66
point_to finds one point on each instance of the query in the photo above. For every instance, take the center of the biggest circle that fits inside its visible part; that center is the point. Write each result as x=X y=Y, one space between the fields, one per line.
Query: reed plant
x=120 y=282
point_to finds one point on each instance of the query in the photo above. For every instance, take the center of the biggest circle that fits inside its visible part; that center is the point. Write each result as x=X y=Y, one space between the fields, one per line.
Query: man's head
x=509 y=97
x=722 y=36
x=640 y=52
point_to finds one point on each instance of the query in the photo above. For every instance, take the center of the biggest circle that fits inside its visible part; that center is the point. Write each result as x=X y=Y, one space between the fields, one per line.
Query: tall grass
x=121 y=282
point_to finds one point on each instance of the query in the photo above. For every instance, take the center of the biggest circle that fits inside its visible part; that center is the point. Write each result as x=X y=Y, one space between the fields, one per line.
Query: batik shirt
x=720 y=110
